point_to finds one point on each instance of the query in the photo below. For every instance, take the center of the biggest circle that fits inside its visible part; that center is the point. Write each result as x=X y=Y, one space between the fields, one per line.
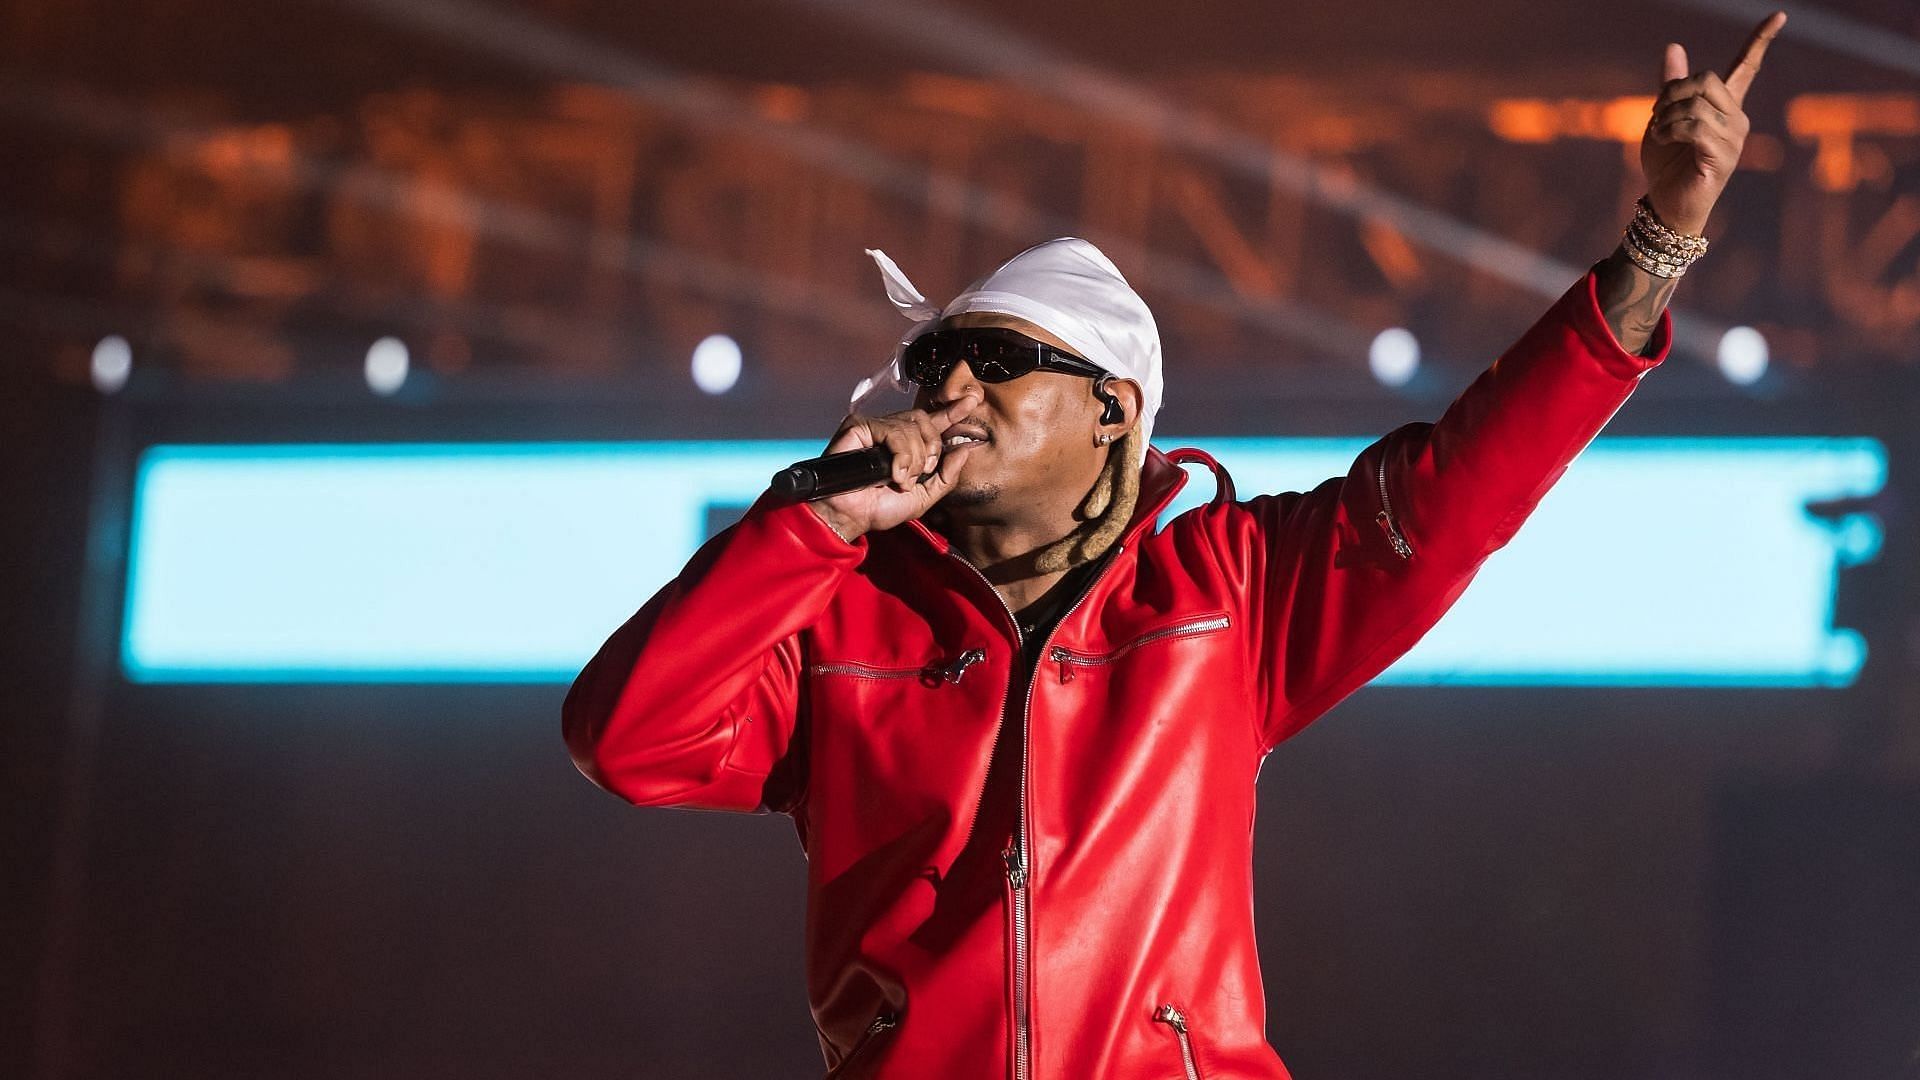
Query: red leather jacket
x=859 y=688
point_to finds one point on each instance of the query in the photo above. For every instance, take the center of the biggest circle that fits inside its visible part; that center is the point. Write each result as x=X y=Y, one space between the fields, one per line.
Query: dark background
x=404 y=881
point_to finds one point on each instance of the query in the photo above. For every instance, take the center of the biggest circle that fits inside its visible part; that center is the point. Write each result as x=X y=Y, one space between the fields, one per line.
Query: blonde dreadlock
x=1105 y=511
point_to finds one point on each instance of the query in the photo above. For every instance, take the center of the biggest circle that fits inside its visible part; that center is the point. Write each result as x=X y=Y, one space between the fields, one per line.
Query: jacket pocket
x=1170 y=1015
x=886 y=1020
x=1070 y=660
x=932 y=673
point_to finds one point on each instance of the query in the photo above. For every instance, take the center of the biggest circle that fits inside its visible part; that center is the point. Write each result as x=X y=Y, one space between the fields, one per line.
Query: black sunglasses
x=993 y=353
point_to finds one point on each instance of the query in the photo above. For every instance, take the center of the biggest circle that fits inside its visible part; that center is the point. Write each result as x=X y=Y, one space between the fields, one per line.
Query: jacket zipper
x=951 y=671
x=1017 y=880
x=1171 y=1016
x=1019 y=868
x=1067 y=658
x=1016 y=865
x=1385 y=516
x=885 y=1021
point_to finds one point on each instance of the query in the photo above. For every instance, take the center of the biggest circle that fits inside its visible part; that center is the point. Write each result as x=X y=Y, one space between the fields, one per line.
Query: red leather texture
x=786 y=670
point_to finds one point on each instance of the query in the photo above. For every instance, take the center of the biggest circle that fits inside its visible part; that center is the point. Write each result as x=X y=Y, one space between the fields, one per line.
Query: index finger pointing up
x=1740 y=76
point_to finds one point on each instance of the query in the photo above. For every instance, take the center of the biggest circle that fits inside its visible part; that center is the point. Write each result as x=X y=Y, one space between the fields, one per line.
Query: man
x=1017 y=728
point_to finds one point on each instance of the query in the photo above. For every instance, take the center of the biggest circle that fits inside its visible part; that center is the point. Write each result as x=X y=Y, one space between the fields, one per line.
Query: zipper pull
x=1065 y=660
x=1170 y=1015
x=1400 y=545
x=1016 y=865
x=953 y=671
x=1385 y=517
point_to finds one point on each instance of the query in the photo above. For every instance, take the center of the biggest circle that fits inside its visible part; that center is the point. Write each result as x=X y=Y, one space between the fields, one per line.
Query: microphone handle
x=821 y=477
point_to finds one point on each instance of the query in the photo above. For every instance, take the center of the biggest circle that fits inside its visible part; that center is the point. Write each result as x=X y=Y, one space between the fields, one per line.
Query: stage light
x=387 y=365
x=112 y=363
x=1742 y=355
x=1394 y=356
x=716 y=364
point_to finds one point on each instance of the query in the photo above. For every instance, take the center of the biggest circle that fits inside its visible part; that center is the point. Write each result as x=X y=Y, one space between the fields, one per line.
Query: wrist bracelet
x=1678 y=243
x=1658 y=250
x=1655 y=263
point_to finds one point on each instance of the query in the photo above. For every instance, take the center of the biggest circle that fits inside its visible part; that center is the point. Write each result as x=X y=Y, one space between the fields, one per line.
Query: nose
x=955 y=385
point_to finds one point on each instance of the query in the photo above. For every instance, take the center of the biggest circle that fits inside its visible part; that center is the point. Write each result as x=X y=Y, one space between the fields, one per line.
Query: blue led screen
x=1684 y=561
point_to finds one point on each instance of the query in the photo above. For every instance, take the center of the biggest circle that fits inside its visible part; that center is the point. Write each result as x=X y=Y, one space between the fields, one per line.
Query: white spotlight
x=112 y=363
x=387 y=365
x=1394 y=356
x=1743 y=355
x=716 y=363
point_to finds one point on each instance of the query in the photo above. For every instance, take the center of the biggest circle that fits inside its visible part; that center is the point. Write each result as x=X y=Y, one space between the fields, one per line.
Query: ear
x=1124 y=392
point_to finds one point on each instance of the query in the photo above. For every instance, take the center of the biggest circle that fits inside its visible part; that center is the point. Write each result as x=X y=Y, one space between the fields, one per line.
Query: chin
x=967 y=496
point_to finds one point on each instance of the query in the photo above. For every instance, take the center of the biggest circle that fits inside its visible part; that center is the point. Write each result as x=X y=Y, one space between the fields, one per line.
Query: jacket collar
x=1161 y=478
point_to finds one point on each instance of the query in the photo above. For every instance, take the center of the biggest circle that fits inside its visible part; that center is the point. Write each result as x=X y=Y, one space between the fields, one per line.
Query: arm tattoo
x=1632 y=300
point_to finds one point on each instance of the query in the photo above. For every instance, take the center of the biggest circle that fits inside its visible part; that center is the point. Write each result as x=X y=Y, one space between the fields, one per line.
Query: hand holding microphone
x=900 y=466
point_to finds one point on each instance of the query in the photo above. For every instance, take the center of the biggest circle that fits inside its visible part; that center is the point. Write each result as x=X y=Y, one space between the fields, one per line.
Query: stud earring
x=1104 y=439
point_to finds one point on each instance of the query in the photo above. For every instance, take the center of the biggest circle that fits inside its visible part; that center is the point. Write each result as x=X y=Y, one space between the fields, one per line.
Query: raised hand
x=1694 y=137
x=1688 y=153
x=924 y=469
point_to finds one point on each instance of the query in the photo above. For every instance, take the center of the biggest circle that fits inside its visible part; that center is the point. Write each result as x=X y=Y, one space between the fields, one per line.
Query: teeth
x=956 y=440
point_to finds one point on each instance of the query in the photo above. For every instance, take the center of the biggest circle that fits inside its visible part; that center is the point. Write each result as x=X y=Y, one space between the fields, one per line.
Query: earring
x=1104 y=439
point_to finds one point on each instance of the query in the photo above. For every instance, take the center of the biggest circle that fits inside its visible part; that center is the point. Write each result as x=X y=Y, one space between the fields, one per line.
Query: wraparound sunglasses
x=994 y=354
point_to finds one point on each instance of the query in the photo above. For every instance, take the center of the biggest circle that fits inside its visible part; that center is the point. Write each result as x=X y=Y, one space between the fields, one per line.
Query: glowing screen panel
x=1652 y=562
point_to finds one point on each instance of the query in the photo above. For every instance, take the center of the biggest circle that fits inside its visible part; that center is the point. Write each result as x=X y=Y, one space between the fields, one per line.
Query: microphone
x=821 y=477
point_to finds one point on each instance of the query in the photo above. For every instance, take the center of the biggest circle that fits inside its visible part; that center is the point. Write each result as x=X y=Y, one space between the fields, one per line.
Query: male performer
x=1017 y=728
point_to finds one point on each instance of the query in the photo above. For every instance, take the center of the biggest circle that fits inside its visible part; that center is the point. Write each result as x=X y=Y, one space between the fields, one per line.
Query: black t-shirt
x=1000 y=803
x=1037 y=619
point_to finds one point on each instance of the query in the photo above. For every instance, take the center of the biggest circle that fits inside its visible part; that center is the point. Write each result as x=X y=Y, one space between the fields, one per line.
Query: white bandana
x=1067 y=287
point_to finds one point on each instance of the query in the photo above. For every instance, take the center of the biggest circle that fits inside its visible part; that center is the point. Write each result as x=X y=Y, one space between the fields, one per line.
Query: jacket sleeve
x=1334 y=599
x=692 y=702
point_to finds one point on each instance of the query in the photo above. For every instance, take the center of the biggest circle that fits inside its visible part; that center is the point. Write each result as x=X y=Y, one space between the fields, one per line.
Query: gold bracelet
x=1663 y=238
x=1659 y=265
x=1658 y=250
